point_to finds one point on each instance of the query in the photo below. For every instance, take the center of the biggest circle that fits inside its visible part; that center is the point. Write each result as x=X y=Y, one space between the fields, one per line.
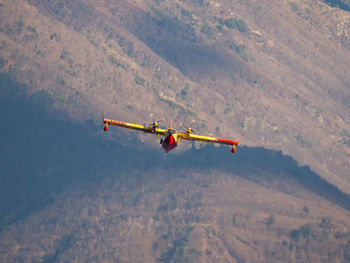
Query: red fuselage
x=169 y=143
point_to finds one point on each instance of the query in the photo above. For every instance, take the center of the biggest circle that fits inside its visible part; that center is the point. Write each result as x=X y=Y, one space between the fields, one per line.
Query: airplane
x=170 y=137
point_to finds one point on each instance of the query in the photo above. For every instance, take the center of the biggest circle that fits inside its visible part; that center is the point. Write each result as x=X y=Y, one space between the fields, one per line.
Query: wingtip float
x=169 y=137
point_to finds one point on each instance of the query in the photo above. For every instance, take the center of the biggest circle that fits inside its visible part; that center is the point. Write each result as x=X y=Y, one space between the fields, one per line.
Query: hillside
x=273 y=74
x=72 y=193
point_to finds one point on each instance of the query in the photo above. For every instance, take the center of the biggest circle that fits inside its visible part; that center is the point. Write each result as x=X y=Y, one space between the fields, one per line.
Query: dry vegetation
x=71 y=193
x=273 y=74
x=268 y=73
x=187 y=216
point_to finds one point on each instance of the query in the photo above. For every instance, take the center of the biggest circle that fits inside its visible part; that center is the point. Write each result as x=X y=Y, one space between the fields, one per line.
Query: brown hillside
x=70 y=192
x=268 y=73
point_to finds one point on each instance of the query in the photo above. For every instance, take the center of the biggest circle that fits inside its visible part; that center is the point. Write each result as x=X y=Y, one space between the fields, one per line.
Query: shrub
x=183 y=93
x=207 y=30
x=346 y=142
x=139 y=80
x=270 y=220
x=130 y=108
x=116 y=62
x=303 y=142
x=55 y=36
x=187 y=15
x=31 y=29
x=3 y=62
x=305 y=232
x=64 y=54
x=234 y=220
x=238 y=24
x=28 y=37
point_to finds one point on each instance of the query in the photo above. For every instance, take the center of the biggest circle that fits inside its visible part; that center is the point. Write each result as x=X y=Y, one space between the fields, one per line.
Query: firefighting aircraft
x=170 y=137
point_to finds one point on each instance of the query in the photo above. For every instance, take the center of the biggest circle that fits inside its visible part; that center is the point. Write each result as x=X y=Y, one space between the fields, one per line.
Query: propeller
x=189 y=127
x=154 y=123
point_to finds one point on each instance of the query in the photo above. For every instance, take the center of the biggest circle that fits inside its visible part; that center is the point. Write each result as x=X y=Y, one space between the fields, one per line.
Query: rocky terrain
x=271 y=74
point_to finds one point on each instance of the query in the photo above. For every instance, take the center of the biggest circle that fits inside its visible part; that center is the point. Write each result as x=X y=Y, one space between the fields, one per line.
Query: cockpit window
x=172 y=131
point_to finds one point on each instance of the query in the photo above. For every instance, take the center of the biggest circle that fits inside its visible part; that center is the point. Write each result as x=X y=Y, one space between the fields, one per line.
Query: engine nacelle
x=106 y=127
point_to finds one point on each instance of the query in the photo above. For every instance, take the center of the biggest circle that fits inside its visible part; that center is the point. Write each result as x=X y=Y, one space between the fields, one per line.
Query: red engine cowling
x=105 y=128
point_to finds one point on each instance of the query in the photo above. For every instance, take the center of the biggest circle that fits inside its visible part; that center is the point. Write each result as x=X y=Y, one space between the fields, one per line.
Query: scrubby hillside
x=269 y=73
x=69 y=193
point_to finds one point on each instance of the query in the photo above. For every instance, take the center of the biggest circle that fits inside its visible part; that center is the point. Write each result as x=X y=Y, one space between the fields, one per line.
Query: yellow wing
x=153 y=129
x=194 y=137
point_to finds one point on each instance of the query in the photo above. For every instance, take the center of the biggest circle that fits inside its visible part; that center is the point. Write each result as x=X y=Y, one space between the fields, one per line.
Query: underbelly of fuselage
x=169 y=143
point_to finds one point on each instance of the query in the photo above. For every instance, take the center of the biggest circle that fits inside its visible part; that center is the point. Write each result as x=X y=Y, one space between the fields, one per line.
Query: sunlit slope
x=267 y=73
x=71 y=192
x=179 y=216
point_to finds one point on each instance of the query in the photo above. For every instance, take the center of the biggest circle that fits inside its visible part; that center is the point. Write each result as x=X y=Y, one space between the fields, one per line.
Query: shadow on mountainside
x=176 y=41
x=339 y=4
x=42 y=155
x=180 y=45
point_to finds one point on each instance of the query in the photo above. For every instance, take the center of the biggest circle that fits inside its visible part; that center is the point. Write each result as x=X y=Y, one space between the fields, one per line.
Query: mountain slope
x=71 y=192
x=272 y=74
